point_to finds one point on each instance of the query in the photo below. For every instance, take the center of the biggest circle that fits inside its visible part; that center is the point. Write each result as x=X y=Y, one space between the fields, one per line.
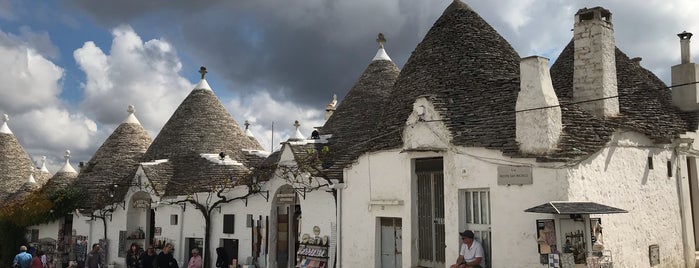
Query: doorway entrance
x=391 y=242
x=287 y=212
x=430 y=212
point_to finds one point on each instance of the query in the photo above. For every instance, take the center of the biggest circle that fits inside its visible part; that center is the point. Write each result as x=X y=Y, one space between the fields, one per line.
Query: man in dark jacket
x=165 y=258
x=94 y=258
x=148 y=258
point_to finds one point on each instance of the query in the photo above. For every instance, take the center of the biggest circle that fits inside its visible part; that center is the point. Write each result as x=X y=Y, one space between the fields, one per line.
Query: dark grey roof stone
x=15 y=165
x=355 y=121
x=115 y=162
x=200 y=125
x=191 y=174
x=570 y=207
x=60 y=180
x=472 y=76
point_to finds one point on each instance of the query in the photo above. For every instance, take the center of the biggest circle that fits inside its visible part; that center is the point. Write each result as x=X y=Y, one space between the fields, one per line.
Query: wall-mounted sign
x=141 y=203
x=509 y=175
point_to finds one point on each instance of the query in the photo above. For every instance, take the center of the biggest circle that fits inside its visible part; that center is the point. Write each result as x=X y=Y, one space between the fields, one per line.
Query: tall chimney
x=685 y=97
x=538 y=119
x=684 y=46
x=594 y=68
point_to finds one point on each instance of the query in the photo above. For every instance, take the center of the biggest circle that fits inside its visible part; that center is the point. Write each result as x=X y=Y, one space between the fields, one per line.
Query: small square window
x=228 y=223
x=173 y=219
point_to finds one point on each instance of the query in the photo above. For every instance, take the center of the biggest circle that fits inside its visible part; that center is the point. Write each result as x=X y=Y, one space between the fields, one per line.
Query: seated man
x=471 y=254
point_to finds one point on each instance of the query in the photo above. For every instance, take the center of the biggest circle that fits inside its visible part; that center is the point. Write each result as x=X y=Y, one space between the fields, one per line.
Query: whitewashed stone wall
x=619 y=176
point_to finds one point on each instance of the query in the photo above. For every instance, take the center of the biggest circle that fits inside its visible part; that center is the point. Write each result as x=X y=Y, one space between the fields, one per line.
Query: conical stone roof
x=645 y=106
x=355 y=120
x=200 y=125
x=469 y=72
x=185 y=157
x=115 y=162
x=63 y=178
x=15 y=164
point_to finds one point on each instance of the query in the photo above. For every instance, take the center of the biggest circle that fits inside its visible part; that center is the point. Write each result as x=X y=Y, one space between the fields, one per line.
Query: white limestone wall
x=385 y=178
x=513 y=231
x=619 y=176
x=48 y=230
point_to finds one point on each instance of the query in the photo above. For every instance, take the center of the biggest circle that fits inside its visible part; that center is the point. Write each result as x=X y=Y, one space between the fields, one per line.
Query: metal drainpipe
x=680 y=197
x=339 y=187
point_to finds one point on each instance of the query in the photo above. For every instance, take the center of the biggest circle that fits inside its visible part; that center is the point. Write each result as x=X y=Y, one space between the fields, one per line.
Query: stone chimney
x=538 y=119
x=594 y=68
x=685 y=97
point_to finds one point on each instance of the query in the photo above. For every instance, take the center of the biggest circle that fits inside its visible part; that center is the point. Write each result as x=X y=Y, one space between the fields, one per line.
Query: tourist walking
x=94 y=258
x=148 y=258
x=36 y=260
x=165 y=258
x=195 y=260
x=23 y=259
x=222 y=260
x=133 y=256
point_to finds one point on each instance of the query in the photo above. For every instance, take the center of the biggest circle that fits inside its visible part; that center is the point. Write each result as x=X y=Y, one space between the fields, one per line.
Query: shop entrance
x=288 y=215
x=139 y=220
x=430 y=211
x=391 y=242
x=475 y=216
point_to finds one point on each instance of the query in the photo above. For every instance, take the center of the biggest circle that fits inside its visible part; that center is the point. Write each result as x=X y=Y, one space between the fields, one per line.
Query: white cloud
x=30 y=81
x=30 y=95
x=144 y=74
x=261 y=110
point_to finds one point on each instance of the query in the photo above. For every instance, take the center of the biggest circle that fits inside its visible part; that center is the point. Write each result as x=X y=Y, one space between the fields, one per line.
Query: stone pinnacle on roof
x=67 y=167
x=247 y=129
x=332 y=104
x=43 y=164
x=202 y=83
x=4 y=128
x=298 y=135
x=131 y=119
x=31 y=180
x=381 y=54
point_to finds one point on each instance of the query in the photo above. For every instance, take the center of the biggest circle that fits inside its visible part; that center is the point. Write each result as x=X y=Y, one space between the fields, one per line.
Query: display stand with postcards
x=313 y=252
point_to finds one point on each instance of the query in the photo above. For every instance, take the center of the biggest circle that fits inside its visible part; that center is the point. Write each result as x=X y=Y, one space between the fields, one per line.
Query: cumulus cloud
x=134 y=72
x=30 y=95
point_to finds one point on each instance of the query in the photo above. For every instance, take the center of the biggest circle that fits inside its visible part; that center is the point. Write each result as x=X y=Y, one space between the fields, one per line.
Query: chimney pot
x=684 y=46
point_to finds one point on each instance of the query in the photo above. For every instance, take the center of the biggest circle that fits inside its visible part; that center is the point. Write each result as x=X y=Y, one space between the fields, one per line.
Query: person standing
x=36 y=260
x=133 y=256
x=148 y=258
x=195 y=260
x=94 y=258
x=23 y=259
x=222 y=260
x=165 y=258
x=471 y=254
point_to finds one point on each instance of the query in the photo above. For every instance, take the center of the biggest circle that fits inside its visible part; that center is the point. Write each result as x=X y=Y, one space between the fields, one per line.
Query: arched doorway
x=139 y=220
x=286 y=219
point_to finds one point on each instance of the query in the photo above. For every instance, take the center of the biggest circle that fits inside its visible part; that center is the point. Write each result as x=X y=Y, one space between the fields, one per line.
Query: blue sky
x=75 y=65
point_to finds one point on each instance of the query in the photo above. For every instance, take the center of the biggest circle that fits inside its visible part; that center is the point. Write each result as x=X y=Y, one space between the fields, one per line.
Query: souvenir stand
x=313 y=251
x=572 y=239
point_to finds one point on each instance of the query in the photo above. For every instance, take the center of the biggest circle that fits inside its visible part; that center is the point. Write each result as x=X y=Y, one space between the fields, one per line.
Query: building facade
x=589 y=161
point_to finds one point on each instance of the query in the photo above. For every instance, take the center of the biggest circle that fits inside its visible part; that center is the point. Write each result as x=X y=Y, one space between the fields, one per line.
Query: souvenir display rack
x=312 y=255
